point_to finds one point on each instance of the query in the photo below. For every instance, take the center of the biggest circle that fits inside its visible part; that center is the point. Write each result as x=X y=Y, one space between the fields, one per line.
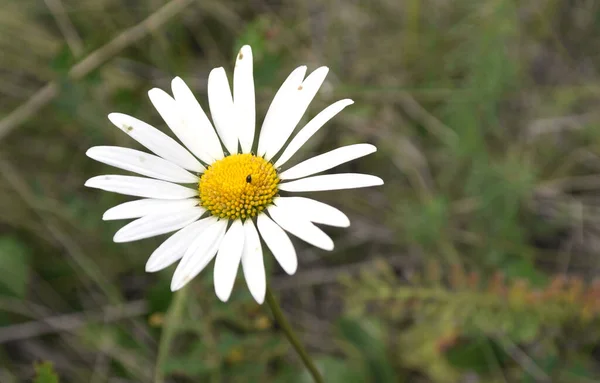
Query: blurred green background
x=475 y=262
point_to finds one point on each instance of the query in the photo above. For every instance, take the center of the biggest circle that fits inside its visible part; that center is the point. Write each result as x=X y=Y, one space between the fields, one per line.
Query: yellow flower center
x=238 y=186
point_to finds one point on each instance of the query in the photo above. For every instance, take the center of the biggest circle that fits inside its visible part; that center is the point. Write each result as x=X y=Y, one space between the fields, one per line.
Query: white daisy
x=231 y=191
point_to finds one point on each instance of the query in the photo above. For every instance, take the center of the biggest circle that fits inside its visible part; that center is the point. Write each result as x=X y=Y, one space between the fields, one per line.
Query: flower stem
x=291 y=336
x=169 y=330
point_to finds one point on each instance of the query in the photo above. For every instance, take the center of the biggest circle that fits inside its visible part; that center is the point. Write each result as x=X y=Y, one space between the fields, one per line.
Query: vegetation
x=475 y=262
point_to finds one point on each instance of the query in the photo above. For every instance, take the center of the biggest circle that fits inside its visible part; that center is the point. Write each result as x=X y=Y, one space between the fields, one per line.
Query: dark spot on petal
x=249 y=178
x=300 y=87
x=240 y=56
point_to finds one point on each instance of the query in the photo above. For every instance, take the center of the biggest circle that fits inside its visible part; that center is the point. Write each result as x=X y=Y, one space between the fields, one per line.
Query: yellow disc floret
x=238 y=186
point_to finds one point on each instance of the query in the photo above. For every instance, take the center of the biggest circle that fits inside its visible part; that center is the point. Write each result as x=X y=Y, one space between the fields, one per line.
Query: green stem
x=289 y=333
x=169 y=331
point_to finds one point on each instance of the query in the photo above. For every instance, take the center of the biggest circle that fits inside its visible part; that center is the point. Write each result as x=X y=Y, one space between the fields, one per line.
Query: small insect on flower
x=232 y=192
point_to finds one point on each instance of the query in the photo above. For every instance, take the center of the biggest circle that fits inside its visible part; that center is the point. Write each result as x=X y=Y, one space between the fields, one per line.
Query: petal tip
x=177 y=85
x=259 y=299
x=216 y=71
x=118 y=238
x=114 y=117
x=222 y=289
x=222 y=296
x=152 y=266
x=121 y=120
x=155 y=94
x=90 y=183
x=244 y=52
x=177 y=284
x=302 y=69
x=291 y=269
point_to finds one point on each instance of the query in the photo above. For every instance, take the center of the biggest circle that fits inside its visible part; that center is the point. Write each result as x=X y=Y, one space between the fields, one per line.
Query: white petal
x=279 y=243
x=243 y=98
x=142 y=163
x=180 y=121
x=300 y=227
x=253 y=264
x=280 y=108
x=314 y=211
x=156 y=141
x=140 y=187
x=228 y=260
x=310 y=129
x=331 y=182
x=171 y=250
x=153 y=225
x=199 y=132
x=302 y=97
x=199 y=253
x=142 y=207
x=222 y=109
x=327 y=161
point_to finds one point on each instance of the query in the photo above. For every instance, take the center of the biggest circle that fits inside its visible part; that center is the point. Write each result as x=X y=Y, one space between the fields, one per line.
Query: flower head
x=233 y=193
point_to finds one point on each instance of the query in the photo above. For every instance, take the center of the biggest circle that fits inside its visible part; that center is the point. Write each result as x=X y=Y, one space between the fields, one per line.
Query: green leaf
x=522 y=268
x=191 y=363
x=575 y=369
x=336 y=370
x=368 y=338
x=267 y=62
x=159 y=296
x=428 y=219
x=15 y=260
x=63 y=61
x=581 y=368
x=480 y=355
x=253 y=35
x=527 y=329
x=44 y=373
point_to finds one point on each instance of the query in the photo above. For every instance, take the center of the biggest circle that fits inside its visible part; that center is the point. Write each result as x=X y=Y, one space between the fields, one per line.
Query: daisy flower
x=232 y=193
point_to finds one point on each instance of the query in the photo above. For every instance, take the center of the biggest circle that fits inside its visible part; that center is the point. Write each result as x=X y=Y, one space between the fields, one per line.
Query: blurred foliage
x=14 y=256
x=45 y=373
x=448 y=324
x=476 y=262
